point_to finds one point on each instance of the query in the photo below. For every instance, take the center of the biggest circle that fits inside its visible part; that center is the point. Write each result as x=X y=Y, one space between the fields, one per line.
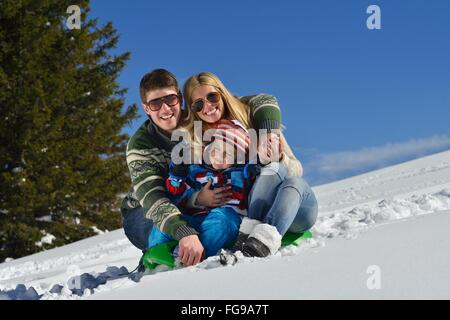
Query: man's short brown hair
x=157 y=79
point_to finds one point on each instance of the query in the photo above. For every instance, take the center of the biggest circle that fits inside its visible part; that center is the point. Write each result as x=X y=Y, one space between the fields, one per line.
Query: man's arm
x=149 y=189
x=148 y=185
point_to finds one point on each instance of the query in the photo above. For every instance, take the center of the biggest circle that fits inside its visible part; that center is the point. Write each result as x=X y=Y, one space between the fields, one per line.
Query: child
x=186 y=182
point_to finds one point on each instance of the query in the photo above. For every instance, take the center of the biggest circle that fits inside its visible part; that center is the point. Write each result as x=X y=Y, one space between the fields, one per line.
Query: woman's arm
x=266 y=114
x=264 y=111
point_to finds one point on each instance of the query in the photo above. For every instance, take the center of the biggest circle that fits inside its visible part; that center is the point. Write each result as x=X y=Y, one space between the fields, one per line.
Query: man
x=148 y=158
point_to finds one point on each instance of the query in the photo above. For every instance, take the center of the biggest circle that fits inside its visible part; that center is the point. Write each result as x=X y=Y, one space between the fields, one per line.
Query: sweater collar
x=160 y=138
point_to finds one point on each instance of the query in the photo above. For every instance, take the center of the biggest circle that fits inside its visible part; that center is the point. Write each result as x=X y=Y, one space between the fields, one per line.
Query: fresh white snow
x=380 y=235
x=46 y=239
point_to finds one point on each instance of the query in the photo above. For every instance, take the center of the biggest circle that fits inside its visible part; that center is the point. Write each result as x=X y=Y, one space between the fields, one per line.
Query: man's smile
x=167 y=117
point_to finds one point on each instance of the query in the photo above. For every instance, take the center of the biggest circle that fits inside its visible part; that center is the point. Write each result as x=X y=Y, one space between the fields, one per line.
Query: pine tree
x=61 y=109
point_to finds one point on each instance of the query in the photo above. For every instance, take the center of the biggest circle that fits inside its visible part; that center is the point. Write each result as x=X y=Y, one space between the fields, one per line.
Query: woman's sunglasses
x=213 y=97
x=156 y=104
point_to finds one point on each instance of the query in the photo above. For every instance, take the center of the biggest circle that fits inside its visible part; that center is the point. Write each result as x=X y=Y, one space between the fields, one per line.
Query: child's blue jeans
x=218 y=229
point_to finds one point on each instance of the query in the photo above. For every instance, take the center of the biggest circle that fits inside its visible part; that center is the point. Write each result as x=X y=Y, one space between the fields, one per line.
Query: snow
x=335 y=271
x=46 y=239
x=47 y=218
x=17 y=170
x=97 y=230
x=380 y=235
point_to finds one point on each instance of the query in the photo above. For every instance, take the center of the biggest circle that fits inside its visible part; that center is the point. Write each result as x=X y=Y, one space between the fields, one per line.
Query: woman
x=280 y=199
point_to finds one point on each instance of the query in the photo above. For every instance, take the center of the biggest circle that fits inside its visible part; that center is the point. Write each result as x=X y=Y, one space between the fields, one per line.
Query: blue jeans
x=288 y=203
x=218 y=229
x=137 y=227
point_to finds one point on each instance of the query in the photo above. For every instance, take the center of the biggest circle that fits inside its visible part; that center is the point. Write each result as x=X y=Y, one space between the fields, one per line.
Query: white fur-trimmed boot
x=246 y=227
x=263 y=241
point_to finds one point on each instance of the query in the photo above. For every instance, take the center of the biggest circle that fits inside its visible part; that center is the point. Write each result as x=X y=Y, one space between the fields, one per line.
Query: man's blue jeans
x=137 y=227
x=218 y=229
x=286 y=202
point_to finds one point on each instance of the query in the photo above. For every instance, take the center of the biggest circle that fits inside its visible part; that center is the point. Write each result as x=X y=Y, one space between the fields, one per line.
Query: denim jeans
x=137 y=227
x=218 y=229
x=286 y=202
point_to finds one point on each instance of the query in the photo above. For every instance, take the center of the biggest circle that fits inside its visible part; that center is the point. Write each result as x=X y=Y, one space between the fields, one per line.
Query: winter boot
x=263 y=241
x=246 y=227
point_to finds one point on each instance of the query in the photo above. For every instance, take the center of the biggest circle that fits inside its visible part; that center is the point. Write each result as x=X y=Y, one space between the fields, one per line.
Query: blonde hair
x=289 y=159
x=234 y=109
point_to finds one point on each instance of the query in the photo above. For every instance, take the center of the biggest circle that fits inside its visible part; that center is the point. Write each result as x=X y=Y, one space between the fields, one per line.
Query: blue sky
x=352 y=99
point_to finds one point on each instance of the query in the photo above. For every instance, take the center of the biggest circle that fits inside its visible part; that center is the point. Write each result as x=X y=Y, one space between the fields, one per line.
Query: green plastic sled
x=295 y=238
x=160 y=254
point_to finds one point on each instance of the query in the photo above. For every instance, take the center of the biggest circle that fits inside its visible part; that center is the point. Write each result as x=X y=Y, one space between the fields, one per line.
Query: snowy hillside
x=384 y=234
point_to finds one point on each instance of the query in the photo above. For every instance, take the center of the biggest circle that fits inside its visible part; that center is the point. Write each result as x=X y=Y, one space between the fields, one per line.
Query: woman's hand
x=213 y=197
x=190 y=250
x=270 y=148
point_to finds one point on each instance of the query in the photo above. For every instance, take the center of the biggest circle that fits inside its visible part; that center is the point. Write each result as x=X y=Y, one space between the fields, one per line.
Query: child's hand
x=213 y=197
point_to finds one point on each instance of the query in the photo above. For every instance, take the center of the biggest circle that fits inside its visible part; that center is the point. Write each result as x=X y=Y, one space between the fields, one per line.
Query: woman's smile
x=212 y=111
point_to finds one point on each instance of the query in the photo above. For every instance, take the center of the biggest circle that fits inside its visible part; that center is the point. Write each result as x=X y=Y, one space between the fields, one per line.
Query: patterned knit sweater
x=148 y=158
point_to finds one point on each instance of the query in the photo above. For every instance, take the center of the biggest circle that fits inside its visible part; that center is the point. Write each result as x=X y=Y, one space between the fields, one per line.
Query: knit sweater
x=148 y=158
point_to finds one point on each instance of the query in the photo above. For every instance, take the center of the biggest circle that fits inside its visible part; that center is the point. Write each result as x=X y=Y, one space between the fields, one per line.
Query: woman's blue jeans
x=286 y=202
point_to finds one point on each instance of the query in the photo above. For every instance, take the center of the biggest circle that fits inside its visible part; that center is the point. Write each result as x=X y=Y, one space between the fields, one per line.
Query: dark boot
x=263 y=241
x=246 y=227
x=255 y=248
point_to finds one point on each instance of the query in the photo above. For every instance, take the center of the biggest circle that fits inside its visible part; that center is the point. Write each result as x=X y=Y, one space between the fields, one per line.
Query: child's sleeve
x=176 y=182
x=178 y=186
x=251 y=171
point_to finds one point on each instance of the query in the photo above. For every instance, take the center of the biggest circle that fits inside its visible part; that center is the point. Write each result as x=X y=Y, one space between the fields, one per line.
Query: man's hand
x=213 y=197
x=270 y=148
x=190 y=250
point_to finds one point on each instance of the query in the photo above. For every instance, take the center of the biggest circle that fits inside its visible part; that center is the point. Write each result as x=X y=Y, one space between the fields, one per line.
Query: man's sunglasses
x=213 y=97
x=156 y=104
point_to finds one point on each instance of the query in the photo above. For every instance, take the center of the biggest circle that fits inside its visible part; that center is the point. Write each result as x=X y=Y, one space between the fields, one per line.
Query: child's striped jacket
x=184 y=190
